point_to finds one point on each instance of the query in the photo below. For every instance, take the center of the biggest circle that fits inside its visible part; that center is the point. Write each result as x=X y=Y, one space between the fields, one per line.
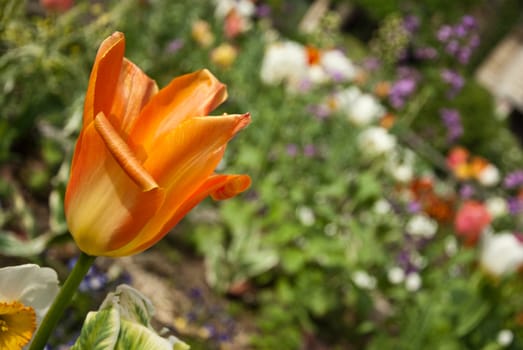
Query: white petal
x=30 y=284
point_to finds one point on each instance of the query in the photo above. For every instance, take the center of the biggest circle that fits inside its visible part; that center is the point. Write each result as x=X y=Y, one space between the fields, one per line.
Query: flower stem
x=62 y=300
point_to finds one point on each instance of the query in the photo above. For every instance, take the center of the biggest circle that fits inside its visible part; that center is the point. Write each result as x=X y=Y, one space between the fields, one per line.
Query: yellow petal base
x=17 y=324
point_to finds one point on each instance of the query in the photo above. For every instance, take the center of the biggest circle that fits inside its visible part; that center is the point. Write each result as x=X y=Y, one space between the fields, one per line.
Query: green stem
x=61 y=301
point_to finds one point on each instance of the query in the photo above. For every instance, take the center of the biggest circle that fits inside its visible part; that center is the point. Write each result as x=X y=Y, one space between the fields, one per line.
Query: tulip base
x=62 y=300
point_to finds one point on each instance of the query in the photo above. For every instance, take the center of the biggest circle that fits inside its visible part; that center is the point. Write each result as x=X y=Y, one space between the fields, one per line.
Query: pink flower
x=471 y=219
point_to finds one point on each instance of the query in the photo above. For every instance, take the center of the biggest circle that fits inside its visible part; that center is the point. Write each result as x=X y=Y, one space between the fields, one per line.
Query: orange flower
x=144 y=157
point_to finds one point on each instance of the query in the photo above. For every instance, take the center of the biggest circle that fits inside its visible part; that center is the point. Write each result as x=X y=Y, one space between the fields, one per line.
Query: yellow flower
x=224 y=55
x=26 y=294
x=144 y=157
x=202 y=33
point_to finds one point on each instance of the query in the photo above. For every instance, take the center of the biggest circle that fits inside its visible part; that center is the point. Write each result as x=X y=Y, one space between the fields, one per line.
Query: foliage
x=321 y=249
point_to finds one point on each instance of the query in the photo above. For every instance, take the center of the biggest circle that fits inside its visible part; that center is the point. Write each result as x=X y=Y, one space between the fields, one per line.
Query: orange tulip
x=145 y=158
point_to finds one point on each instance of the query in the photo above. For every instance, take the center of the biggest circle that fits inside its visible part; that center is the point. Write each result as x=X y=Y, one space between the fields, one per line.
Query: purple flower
x=513 y=179
x=414 y=207
x=452 y=121
x=320 y=111
x=466 y=191
x=400 y=90
x=474 y=41
x=371 y=63
x=292 y=150
x=452 y=47
x=460 y=31
x=404 y=87
x=515 y=205
x=454 y=79
x=426 y=53
x=411 y=23
x=464 y=55
x=309 y=150
x=444 y=33
x=174 y=46
x=263 y=10
x=468 y=21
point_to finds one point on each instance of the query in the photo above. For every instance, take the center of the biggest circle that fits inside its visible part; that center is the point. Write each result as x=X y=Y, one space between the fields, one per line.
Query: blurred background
x=386 y=210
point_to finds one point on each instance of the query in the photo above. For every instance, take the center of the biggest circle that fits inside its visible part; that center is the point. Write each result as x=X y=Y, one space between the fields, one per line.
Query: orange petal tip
x=233 y=186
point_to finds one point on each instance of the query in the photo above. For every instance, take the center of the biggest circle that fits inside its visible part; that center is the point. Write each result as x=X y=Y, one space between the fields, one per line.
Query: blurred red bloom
x=56 y=5
x=471 y=219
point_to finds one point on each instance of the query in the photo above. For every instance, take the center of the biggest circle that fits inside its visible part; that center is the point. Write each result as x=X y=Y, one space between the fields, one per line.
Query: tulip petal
x=218 y=186
x=101 y=198
x=190 y=153
x=194 y=94
x=104 y=77
x=179 y=153
x=133 y=92
x=123 y=154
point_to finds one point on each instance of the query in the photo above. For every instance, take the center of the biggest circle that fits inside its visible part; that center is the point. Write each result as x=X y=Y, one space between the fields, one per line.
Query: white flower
x=402 y=173
x=306 y=216
x=344 y=99
x=496 y=206
x=422 y=225
x=501 y=253
x=363 y=280
x=364 y=110
x=317 y=75
x=336 y=64
x=284 y=62
x=376 y=141
x=505 y=337
x=245 y=8
x=489 y=176
x=382 y=207
x=400 y=165
x=451 y=246
x=25 y=296
x=413 y=282
x=396 y=275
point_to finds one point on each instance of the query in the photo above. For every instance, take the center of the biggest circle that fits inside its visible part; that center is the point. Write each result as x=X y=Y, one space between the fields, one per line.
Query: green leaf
x=132 y=305
x=134 y=336
x=100 y=331
x=10 y=245
x=293 y=260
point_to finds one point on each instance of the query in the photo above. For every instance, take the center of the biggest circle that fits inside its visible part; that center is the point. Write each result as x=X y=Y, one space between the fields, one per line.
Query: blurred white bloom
x=489 y=176
x=364 y=110
x=413 y=282
x=26 y=294
x=331 y=229
x=402 y=173
x=496 y=206
x=344 y=99
x=306 y=216
x=396 y=275
x=505 y=337
x=363 y=280
x=375 y=141
x=451 y=245
x=284 y=62
x=382 y=207
x=418 y=260
x=422 y=225
x=317 y=75
x=501 y=253
x=400 y=165
x=245 y=8
x=338 y=65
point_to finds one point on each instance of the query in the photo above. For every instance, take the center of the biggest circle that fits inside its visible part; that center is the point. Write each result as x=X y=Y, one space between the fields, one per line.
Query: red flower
x=57 y=5
x=471 y=219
